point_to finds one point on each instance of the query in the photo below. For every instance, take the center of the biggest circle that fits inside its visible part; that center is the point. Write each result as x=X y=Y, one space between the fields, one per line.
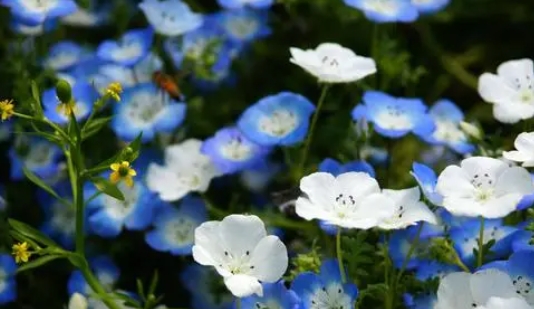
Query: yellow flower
x=114 y=90
x=122 y=171
x=66 y=108
x=21 y=253
x=6 y=109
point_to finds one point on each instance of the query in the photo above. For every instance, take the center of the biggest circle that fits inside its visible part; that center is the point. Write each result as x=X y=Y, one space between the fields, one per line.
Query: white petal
x=501 y=206
x=517 y=68
x=512 y=112
x=517 y=156
x=269 y=259
x=307 y=210
x=493 y=88
x=454 y=292
x=454 y=181
x=514 y=180
x=490 y=283
x=370 y=212
x=481 y=165
x=524 y=142
x=243 y=285
x=241 y=233
x=208 y=248
x=506 y=303
x=320 y=189
x=357 y=184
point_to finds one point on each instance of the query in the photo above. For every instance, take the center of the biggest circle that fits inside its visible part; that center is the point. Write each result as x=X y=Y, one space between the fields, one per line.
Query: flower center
x=63 y=218
x=236 y=150
x=40 y=6
x=61 y=60
x=386 y=7
x=280 y=123
x=394 y=118
x=484 y=187
x=39 y=155
x=448 y=131
x=242 y=27
x=522 y=285
x=330 y=61
x=145 y=108
x=121 y=209
x=331 y=297
x=236 y=264
x=128 y=49
x=181 y=231
x=344 y=204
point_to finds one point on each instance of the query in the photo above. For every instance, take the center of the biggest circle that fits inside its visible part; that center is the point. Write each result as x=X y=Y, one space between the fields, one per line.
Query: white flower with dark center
x=350 y=200
x=511 y=90
x=483 y=186
x=186 y=170
x=524 y=143
x=241 y=252
x=490 y=288
x=333 y=63
x=409 y=209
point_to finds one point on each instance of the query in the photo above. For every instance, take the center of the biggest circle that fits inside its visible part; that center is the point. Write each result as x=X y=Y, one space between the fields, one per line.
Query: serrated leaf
x=107 y=188
x=94 y=126
x=30 y=232
x=38 y=262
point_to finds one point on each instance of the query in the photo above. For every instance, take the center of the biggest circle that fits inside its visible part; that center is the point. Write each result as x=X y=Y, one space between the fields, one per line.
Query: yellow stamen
x=122 y=171
x=21 y=253
x=6 y=109
x=114 y=90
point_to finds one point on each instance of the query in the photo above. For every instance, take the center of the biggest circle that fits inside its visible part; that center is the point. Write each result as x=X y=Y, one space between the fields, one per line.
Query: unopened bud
x=471 y=130
x=64 y=91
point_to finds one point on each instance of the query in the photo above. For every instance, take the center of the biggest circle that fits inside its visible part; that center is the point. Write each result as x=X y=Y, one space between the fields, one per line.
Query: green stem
x=340 y=256
x=238 y=303
x=307 y=143
x=480 y=258
x=413 y=246
x=93 y=282
x=448 y=63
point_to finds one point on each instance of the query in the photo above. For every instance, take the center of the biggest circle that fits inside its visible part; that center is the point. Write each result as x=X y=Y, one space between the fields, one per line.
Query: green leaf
x=94 y=126
x=108 y=188
x=28 y=231
x=154 y=283
x=37 y=99
x=74 y=129
x=140 y=289
x=77 y=260
x=38 y=262
x=128 y=301
x=21 y=238
x=40 y=183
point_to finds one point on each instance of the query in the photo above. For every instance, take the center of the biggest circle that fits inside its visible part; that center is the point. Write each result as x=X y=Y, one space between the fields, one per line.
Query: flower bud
x=64 y=91
x=471 y=130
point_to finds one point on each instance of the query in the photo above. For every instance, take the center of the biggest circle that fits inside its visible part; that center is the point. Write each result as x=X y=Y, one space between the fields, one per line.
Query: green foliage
x=305 y=262
x=359 y=255
x=107 y=187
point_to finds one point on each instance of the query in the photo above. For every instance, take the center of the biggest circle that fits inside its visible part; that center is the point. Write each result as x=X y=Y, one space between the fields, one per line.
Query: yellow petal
x=129 y=181
x=115 y=166
x=114 y=177
x=132 y=172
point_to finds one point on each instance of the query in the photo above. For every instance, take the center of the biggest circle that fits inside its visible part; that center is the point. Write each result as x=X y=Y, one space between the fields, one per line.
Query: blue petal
x=103 y=224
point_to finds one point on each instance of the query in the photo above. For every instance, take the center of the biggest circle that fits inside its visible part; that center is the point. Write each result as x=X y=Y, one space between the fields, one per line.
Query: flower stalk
x=340 y=256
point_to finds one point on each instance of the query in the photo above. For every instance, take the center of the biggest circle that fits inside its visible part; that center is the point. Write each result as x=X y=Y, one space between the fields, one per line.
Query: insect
x=168 y=84
x=285 y=200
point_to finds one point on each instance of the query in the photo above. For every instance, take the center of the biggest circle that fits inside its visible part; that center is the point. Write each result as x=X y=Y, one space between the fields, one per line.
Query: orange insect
x=168 y=84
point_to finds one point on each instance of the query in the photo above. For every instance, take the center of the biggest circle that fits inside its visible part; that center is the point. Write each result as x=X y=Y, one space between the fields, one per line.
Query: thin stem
x=340 y=256
x=480 y=258
x=307 y=143
x=93 y=282
x=413 y=246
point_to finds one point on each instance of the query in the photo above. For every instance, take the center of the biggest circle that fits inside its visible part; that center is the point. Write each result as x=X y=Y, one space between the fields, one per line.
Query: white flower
x=77 y=301
x=524 y=143
x=333 y=63
x=483 y=186
x=484 y=289
x=350 y=200
x=241 y=252
x=408 y=209
x=511 y=90
x=185 y=170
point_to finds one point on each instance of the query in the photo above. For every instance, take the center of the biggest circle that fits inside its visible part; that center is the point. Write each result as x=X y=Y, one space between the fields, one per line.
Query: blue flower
x=36 y=12
x=275 y=295
x=465 y=238
x=170 y=17
x=386 y=11
x=257 y=177
x=37 y=155
x=394 y=117
x=145 y=108
x=521 y=241
x=447 y=117
x=106 y=272
x=87 y=70
x=237 y=4
x=324 y=290
x=174 y=229
x=64 y=55
x=110 y=215
x=140 y=73
x=243 y=25
x=428 y=270
x=133 y=46
x=231 y=152
x=84 y=96
x=207 y=288
x=280 y=119
x=399 y=246
x=95 y=15
x=335 y=168
x=430 y=6
x=426 y=179
x=20 y=27
x=420 y=301
x=8 y=268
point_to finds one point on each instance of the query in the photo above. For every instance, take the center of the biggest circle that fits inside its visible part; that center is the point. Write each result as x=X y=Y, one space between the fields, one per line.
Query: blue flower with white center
x=238 y=4
x=521 y=241
x=133 y=46
x=399 y=246
x=394 y=117
x=325 y=290
x=145 y=108
x=243 y=25
x=280 y=119
x=447 y=117
x=231 y=151
x=335 y=168
x=275 y=295
x=64 y=55
x=32 y=30
x=84 y=96
x=8 y=285
x=87 y=70
x=38 y=155
x=428 y=270
x=170 y=17
x=465 y=238
x=207 y=288
x=258 y=177
x=386 y=11
x=93 y=16
x=420 y=301
x=106 y=272
x=140 y=73
x=174 y=229
x=430 y=6
x=426 y=179
x=33 y=12
x=110 y=215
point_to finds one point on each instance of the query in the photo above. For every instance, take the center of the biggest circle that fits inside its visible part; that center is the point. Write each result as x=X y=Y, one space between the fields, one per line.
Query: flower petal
x=243 y=285
x=269 y=259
